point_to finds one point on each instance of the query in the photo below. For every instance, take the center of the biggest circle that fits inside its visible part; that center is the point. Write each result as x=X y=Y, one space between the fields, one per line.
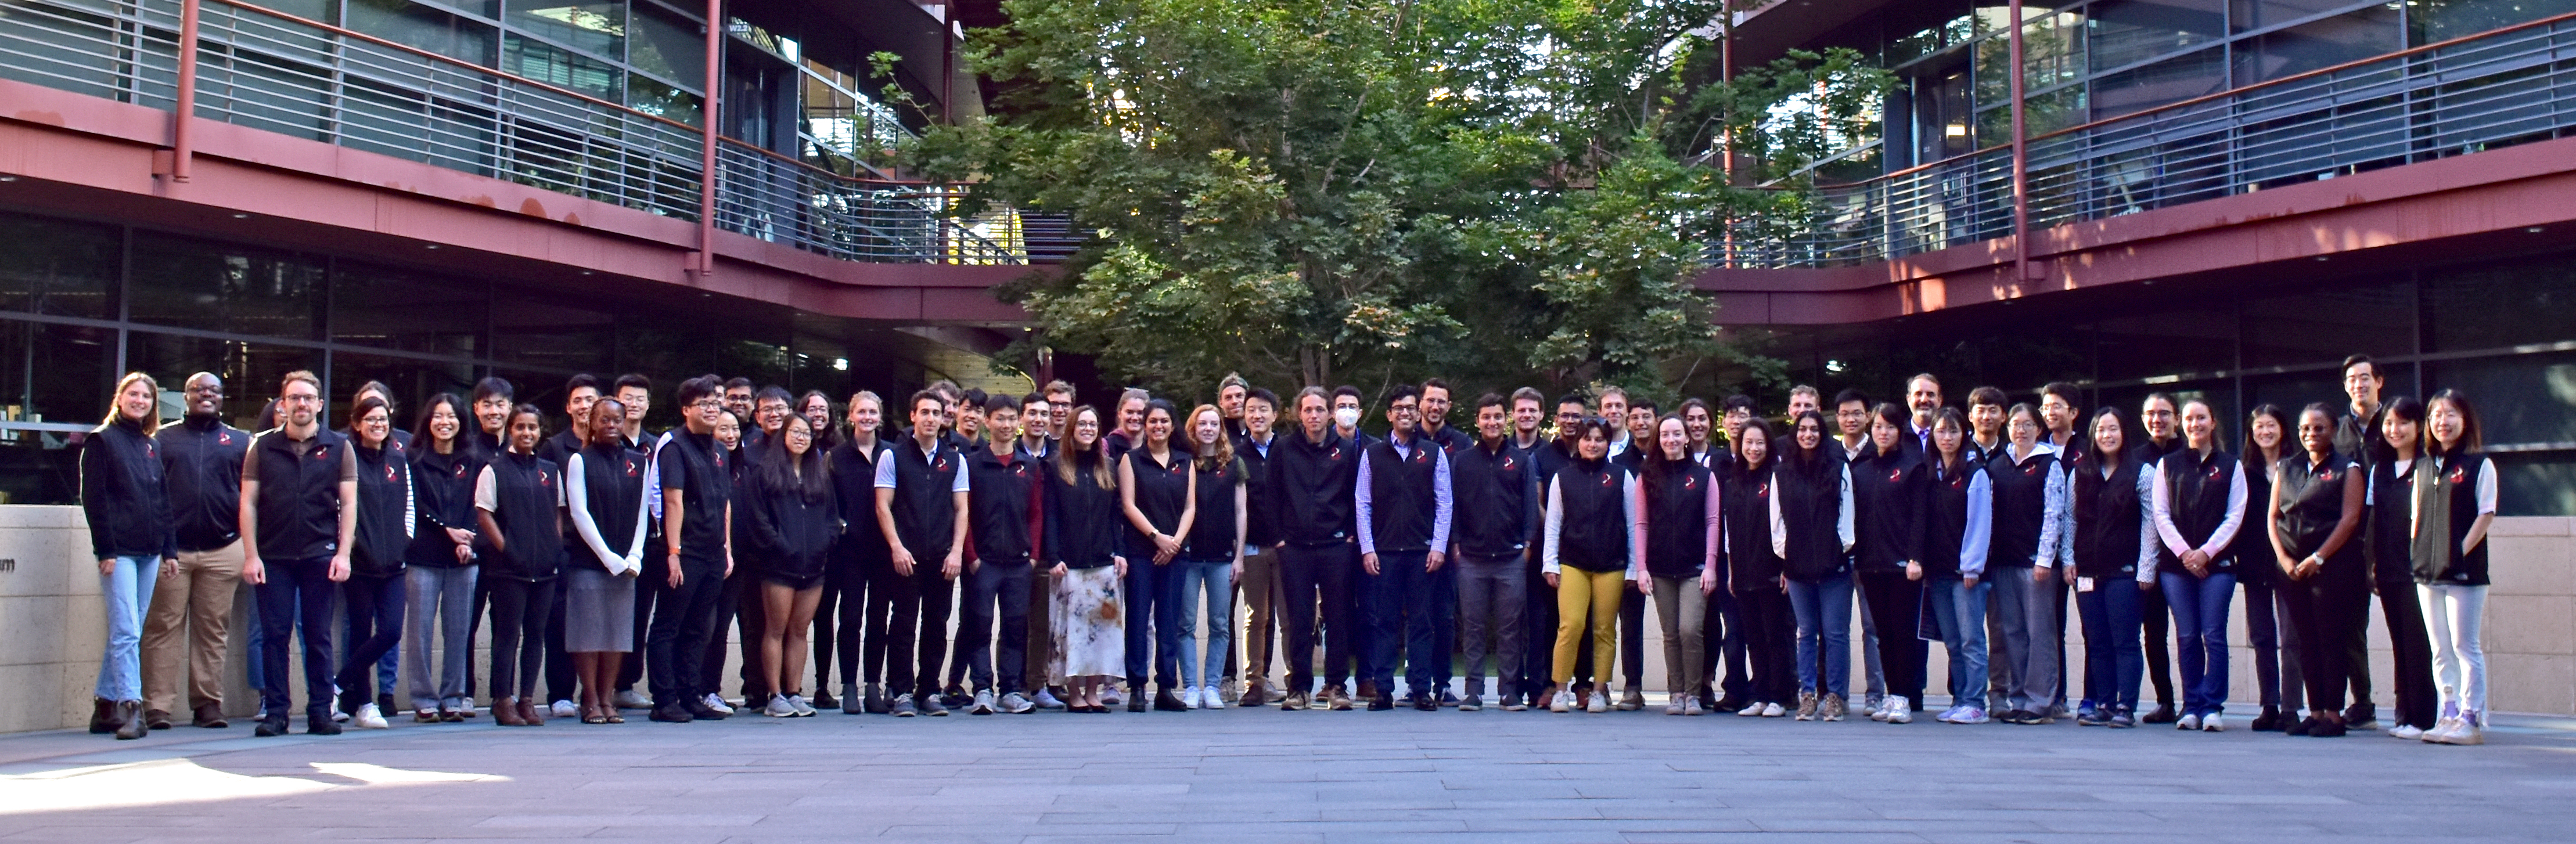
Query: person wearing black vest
x=2159 y=418
x=439 y=567
x=1755 y=572
x=1684 y=513
x=1158 y=494
x=2198 y=505
x=2030 y=493
x=299 y=519
x=695 y=477
x=1852 y=416
x=1891 y=495
x=2391 y=503
x=125 y=502
x=518 y=500
x=1037 y=649
x=1812 y=532
x=2114 y=546
x=922 y=492
x=1003 y=509
x=861 y=561
x=1084 y=547
x=1312 y=472
x=1211 y=559
x=201 y=463
x=2317 y=506
x=2358 y=437
x=376 y=585
x=1591 y=545
x=1957 y=534
x=741 y=603
x=2276 y=661
x=2455 y=504
x=493 y=397
x=1403 y=510
x=1635 y=421
x=604 y=495
x=636 y=392
x=1443 y=581
x=1538 y=618
x=793 y=520
x=1495 y=503
x=1724 y=630
x=580 y=393
x=1260 y=579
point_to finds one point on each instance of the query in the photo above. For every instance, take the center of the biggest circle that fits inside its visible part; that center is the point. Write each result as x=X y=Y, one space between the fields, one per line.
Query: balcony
x=272 y=71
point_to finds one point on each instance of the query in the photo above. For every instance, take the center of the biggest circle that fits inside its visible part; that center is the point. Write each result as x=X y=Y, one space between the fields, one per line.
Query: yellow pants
x=1581 y=594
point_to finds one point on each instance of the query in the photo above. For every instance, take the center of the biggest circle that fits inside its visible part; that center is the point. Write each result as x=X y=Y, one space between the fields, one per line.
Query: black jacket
x=1891 y=500
x=790 y=532
x=123 y=494
x=1084 y=523
x=1745 y=493
x=704 y=478
x=1161 y=491
x=201 y=463
x=1811 y=512
x=925 y=502
x=611 y=494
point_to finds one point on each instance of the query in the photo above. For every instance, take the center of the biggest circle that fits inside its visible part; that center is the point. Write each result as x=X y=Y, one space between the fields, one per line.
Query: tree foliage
x=1323 y=191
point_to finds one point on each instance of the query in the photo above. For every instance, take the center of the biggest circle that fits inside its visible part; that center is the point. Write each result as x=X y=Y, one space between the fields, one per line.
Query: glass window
x=251 y=371
x=2169 y=81
x=50 y=374
x=212 y=286
x=544 y=332
x=413 y=312
x=2520 y=399
x=55 y=267
x=415 y=25
x=561 y=68
x=2442 y=20
x=2541 y=484
x=411 y=380
x=2251 y=15
x=2322 y=43
x=2322 y=325
x=650 y=96
x=2052 y=48
x=313 y=10
x=597 y=26
x=2169 y=343
x=2124 y=32
x=2503 y=304
x=668 y=45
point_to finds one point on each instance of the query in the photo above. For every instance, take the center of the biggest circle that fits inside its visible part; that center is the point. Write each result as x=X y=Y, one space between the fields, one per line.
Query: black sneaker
x=933 y=706
x=699 y=710
x=1447 y=699
x=273 y=727
x=904 y=707
x=322 y=726
x=955 y=698
x=1381 y=703
x=1165 y=701
x=2361 y=716
x=672 y=713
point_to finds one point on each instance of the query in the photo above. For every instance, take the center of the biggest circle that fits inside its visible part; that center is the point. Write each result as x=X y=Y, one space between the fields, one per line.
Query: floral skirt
x=1090 y=628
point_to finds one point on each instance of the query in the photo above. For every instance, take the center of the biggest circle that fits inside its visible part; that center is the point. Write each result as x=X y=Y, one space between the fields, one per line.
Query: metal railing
x=2508 y=86
x=274 y=71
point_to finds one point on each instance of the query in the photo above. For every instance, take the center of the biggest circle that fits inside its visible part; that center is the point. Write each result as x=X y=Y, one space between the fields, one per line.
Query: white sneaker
x=779 y=707
x=2465 y=732
x=1899 y=710
x=2213 y=723
x=565 y=709
x=1110 y=696
x=1189 y=697
x=1600 y=702
x=2441 y=728
x=2188 y=722
x=1046 y=700
x=1947 y=714
x=632 y=699
x=1879 y=713
x=716 y=702
x=1751 y=710
x=1773 y=710
x=1970 y=714
x=1562 y=702
x=803 y=709
x=369 y=719
x=2407 y=732
x=1210 y=698
x=339 y=717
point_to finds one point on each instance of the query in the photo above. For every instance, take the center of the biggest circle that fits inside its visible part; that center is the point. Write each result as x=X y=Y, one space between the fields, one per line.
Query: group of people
x=1090 y=557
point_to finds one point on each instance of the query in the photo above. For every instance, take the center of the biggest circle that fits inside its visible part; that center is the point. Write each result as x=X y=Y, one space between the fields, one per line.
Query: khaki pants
x=1579 y=593
x=1260 y=583
x=191 y=613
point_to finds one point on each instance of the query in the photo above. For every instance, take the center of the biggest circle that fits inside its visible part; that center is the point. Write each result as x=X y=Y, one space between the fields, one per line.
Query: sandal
x=613 y=717
x=591 y=715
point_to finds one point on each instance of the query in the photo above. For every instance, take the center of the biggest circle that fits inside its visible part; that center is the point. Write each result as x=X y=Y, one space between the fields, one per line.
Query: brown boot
x=130 y=723
x=505 y=712
x=1254 y=694
x=156 y=719
x=102 y=717
x=531 y=714
x=210 y=715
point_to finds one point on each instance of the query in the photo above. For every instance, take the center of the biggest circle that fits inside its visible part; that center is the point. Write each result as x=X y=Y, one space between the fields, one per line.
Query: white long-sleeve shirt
x=1555 y=519
x=2160 y=513
x=576 y=499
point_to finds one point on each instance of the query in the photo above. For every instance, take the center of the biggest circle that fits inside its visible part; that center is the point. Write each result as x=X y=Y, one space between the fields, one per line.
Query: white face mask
x=1347 y=417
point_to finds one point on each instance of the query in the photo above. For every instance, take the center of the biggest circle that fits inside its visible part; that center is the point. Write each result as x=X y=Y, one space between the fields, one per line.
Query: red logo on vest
x=2459 y=474
x=460 y=471
x=321 y=453
x=1335 y=454
x=630 y=467
x=389 y=473
x=2326 y=475
x=1507 y=464
x=1896 y=476
x=2213 y=472
x=1605 y=479
x=224 y=438
x=2030 y=469
x=1760 y=490
x=545 y=479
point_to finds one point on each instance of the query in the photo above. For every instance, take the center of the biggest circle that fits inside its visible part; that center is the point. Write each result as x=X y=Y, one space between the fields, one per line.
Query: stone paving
x=1265 y=775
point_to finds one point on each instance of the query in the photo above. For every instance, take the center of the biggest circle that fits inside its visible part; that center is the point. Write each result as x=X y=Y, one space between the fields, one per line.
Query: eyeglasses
x=708 y=404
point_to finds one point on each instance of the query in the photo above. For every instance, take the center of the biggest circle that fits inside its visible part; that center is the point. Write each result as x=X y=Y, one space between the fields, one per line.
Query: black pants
x=826 y=606
x=1768 y=631
x=2419 y=704
x=657 y=571
x=2158 y=617
x=917 y=629
x=1726 y=633
x=519 y=610
x=375 y=609
x=1632 y=638
x=2268 y=634
x=559 y=673
x=1538 y=619
x=683 y=619
x=298 y=594
x=848 y=584
x=1002 y=586
x=738 y=605
x=1331 y=572
x=2356 y=641
x=1897 y=605
x=2322 y=615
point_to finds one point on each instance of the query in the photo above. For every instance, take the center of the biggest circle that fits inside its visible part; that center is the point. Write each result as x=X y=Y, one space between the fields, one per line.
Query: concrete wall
x=51 y=624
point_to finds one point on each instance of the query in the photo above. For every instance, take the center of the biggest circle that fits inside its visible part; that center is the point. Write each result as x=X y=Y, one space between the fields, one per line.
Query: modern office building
x=425 y=192
x=2214 y=197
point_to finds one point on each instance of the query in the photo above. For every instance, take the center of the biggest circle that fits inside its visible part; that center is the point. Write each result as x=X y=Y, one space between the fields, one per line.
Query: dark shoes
x=1165 y=701
x=130 y=723
x=320 y=724
x=506 y=712
x=2361 y=716
x=210 y=715
x=697 y=709
x=156 y=719
x=932 y=705
x=2163 y=714
x=823 y=698
x=1426 y=703
x=672 y=713
x=2327 y=728
x=102 y=717
x=2269 y=721
x=852 y=703
x=1254 y=694
x=273 y=727
x=530 y=714
x=875 y=701
x=1381 y=703
x=1729 y=703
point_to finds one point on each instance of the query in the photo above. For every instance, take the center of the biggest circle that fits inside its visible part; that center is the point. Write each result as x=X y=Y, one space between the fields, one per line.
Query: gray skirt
x=599 y=611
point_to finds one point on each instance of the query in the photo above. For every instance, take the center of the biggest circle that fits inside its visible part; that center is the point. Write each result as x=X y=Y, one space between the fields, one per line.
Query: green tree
x=1316 y=191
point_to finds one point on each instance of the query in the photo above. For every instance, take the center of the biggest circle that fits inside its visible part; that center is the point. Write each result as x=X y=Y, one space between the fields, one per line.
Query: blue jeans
x=1824 y=620
x=1961 y=611
x=2113 y=659
x=2200 y=628
x=296 y=597
x=441 y=600
x=1188 y=580
x=1153 y=624
x=128 y=590
x=1400 y=623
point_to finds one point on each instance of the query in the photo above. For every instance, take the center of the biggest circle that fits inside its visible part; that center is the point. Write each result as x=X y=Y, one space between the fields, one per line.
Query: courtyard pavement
x=1264 y=775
